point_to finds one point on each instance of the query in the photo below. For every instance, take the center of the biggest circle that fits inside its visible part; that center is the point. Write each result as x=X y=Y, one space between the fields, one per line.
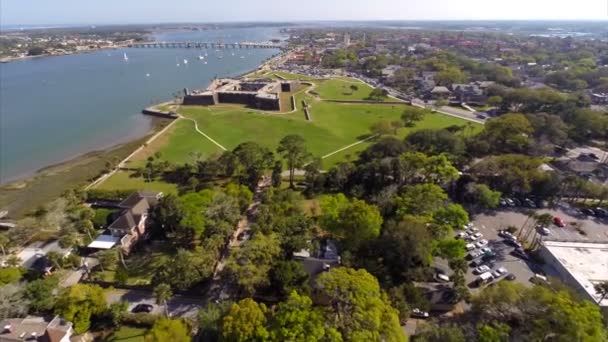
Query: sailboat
x=205 y=62
x=185 y=61
x=200 y=57
x=126 y=57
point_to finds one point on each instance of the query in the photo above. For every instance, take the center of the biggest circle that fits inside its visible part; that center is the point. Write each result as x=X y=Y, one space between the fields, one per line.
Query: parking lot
x=522 y=270
x=595 y=229
x=578 y=227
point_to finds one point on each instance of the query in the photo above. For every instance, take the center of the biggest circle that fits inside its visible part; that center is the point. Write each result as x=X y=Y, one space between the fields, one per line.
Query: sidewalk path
x=203 y=134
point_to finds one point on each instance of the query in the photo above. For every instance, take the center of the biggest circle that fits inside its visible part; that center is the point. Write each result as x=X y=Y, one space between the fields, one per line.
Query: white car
x=442 y=277
x=481 y=243
x=486 y=250
x=417 y=313
x=472 y=238
x=469 y=247
x=478 y=235
x=474 y=254
x=461 y=235
x=499 y=272
x=544 y=231
x=482 y=269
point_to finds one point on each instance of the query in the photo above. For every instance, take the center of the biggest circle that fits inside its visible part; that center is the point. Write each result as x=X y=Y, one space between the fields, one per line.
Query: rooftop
x=104 y=242
x=586 y=262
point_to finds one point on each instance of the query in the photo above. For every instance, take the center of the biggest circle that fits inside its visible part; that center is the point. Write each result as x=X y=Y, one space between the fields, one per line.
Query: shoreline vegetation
x=22 y=196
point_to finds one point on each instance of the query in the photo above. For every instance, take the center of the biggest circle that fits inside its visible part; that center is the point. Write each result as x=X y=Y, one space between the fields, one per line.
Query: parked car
x=486 y=250
x=544 y=231
x=520 y=253
x=474 y=255
x=484 y=278
x=476 y=263
x=442 y=277
x=530 y=203
x=461 y=235
x=511 y=276
x=499 y=272
x=478 y=235
x=588 y=212
x=512 y=242
x=481 y=243
x=559 y=222
x=504 y=233
x=481 y=269
x=417 y=313
x=539 y=279
x=469 y=247
x=601 y=212
x=147 y=308
x=472 y=231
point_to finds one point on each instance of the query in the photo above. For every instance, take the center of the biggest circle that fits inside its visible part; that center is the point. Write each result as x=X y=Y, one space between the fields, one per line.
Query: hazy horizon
x=109 y=12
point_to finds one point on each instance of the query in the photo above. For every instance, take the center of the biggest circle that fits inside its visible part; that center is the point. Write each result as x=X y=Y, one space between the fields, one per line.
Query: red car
x=558 y=222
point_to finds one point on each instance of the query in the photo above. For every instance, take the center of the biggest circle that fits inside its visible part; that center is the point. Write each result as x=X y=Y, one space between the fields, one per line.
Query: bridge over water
x=206 y=45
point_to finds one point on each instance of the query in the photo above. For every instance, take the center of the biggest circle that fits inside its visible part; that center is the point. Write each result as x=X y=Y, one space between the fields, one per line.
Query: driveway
x=178 y=306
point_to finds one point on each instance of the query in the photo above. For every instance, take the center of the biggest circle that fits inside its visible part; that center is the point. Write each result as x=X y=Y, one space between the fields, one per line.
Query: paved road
x=177 y=306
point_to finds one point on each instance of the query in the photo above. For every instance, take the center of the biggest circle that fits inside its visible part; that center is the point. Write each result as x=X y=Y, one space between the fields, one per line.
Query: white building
x=580 y=265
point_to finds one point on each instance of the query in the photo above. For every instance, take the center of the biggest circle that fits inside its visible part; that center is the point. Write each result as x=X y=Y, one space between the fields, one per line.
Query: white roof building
x=580 y=265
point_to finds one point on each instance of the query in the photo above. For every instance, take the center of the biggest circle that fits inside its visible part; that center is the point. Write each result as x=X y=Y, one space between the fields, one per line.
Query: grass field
x=339 y=89
x=333 y=126
x=125 y=181
x=127 y=334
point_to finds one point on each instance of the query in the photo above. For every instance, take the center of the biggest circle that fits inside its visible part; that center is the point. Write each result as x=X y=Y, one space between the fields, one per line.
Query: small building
x=468 y=93
x=316 y=262
x=34 y=328
x=130 y=226
x=438 y=92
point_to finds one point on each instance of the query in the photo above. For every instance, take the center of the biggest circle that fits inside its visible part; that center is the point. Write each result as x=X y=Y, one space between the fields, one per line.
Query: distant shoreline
x=24 y=58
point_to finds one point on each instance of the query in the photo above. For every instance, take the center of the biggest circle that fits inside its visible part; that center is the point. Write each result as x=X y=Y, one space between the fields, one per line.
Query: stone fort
x=262 y=94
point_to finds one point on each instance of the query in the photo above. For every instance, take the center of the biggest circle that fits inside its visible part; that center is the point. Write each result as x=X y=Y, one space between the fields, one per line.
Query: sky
x=58 y=12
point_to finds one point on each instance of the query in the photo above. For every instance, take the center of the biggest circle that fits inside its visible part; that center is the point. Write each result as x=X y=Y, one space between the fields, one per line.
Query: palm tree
x=521 y=233
x=162 y=293
x=4 y=241
x=602 y=289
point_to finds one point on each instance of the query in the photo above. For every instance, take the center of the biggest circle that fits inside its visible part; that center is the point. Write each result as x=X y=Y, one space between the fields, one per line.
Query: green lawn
x=124 y=180
x=339 y=89
x=333 y=126
x=127 y=334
